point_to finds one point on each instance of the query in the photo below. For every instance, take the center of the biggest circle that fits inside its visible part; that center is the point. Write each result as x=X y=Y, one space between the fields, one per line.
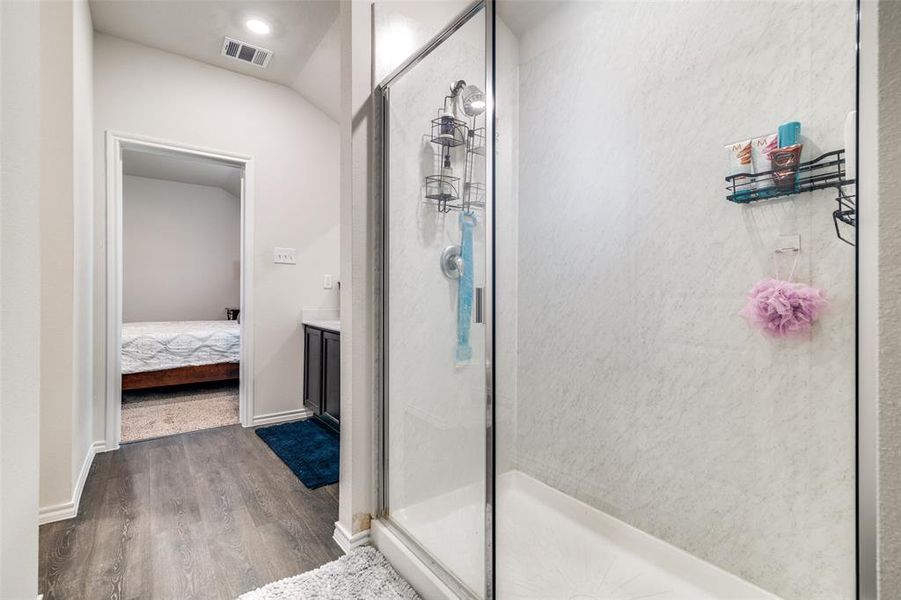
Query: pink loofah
x=782 y=308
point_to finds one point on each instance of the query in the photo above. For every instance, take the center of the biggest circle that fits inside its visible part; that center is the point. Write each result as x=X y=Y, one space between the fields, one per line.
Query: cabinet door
x=331 y=379
x=312 y=369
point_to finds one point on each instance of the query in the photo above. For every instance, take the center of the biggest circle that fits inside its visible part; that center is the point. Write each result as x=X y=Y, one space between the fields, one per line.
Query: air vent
x=244 y=52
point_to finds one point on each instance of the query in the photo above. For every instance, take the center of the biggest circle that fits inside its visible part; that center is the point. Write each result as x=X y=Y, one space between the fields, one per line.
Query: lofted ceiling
x=304 y=51
x=184 y=169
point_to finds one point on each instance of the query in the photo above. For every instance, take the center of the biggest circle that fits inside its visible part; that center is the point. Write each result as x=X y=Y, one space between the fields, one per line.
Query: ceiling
x=184 y=169
x=522 y=15
x=196 y=29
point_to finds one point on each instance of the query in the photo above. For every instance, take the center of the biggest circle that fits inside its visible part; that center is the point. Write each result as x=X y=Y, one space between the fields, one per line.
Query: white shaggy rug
x=364 y=574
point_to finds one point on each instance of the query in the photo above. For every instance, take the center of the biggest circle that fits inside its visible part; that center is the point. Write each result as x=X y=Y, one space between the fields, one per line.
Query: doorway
x=179 y=316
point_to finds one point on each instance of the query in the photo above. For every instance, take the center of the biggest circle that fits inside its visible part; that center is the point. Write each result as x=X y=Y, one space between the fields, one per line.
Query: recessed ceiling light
x=258 y=26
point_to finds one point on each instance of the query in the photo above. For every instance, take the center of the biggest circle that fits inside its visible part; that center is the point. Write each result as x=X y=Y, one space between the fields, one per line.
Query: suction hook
x=452 y=262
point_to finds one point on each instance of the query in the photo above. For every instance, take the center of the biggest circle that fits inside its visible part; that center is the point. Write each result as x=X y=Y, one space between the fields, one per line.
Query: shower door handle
x=479 y=305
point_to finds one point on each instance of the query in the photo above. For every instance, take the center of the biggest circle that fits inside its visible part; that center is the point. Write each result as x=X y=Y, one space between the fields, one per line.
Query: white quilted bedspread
x=171 y=344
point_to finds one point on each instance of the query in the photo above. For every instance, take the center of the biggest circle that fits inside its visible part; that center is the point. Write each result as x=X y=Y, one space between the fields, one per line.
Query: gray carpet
x=364 y=574
x=155 y=413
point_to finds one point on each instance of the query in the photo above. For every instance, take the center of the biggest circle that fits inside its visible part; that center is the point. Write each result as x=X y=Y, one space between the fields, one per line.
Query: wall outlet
x=284 y=256
x=326 y=282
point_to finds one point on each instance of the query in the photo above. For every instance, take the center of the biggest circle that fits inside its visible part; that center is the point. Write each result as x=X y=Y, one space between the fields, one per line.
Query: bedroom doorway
x=178 y=315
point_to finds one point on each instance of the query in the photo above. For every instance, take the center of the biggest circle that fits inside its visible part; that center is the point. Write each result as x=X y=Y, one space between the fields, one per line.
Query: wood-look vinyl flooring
x=207 y=514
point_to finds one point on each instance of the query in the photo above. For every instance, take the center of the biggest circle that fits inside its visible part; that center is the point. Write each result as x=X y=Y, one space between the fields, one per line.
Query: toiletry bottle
x=446 y=170
x=447 y=125
x=787 y=157
x=761 y=156
x=447 y=174
x=789 y=134
x=739 y=154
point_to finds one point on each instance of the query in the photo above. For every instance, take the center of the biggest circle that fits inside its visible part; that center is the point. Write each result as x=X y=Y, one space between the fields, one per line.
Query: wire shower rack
x=823 y=172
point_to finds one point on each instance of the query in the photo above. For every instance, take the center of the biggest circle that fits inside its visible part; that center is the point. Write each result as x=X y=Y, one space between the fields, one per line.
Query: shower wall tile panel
x=639 y=388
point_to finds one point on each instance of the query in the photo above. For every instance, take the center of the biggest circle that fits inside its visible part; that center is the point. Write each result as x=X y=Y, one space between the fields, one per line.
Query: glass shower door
x=435 y=337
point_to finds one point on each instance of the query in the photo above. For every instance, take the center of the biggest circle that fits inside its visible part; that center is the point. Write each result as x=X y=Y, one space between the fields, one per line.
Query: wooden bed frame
x=180 y=376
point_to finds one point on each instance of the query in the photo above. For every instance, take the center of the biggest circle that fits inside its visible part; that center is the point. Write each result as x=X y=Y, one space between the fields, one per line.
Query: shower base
x=551 y=546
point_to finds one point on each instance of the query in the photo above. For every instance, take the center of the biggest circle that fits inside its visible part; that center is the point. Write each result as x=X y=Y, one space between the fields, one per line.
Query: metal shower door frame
x=382 y=98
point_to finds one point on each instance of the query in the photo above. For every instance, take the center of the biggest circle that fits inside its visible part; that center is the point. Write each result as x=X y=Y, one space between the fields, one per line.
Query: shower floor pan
x=551 y=546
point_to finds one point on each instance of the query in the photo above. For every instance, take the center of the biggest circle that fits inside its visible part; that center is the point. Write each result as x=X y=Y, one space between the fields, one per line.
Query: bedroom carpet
x=364 y=574
x=153 y=414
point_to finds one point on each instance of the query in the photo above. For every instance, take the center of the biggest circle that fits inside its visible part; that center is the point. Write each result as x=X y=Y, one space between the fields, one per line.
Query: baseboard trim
x=281 y=417
x=348 y=542
x=68 y=510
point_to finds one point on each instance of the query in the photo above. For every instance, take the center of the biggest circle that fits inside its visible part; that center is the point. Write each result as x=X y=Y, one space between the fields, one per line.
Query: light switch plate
x=327 y=282
x=284 y=256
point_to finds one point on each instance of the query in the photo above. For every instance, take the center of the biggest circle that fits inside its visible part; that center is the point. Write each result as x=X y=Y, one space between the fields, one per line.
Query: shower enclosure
x=581 y=397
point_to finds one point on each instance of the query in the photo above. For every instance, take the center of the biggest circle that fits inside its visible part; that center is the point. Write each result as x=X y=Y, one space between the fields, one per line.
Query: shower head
x=473 y=100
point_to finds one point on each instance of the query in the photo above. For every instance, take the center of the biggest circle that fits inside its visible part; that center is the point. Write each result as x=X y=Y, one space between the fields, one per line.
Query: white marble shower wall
x=638 y=388
x=506 y=246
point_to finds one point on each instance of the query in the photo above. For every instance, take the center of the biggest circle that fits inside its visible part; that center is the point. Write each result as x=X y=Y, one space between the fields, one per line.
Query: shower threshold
x=551 y=546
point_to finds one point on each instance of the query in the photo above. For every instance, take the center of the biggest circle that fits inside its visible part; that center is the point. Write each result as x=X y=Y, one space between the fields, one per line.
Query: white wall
x=356 y=497
x=320 y=78
x=640 y=390
x=57 y=261
x=140 y=90
x=66 y=261
x=83 y=251
x=181 y=251
x=20 y=36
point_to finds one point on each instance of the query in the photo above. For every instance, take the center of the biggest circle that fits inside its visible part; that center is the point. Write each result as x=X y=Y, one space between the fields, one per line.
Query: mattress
x=171 y=344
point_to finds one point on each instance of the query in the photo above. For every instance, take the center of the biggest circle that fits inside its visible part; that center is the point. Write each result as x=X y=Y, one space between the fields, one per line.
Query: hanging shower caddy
x=449 y=133
x=826 y=171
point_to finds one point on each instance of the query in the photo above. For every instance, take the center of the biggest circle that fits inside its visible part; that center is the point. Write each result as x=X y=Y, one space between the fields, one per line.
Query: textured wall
x=889 y=305
x=640 y=390
x=506 y=244
x=181 y=251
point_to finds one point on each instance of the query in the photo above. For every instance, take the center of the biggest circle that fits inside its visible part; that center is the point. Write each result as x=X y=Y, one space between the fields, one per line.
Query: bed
x=160 y=354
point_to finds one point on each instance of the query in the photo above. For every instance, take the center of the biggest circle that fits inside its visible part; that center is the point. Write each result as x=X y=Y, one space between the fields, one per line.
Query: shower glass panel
x=435 y=295
x=650 y=441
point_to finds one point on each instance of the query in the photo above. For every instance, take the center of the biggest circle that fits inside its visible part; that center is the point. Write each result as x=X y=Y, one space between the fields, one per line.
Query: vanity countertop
x=324 y=324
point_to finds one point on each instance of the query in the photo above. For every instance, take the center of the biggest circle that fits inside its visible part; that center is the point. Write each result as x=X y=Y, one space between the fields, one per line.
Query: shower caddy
x=826 y=171
x=449 y=192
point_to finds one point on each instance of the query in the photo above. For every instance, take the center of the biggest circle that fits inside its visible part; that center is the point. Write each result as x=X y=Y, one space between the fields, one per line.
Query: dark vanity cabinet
x=322 y=373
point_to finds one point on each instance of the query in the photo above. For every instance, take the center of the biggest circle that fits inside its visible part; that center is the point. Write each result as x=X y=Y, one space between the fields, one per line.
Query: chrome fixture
x=452 y=262
x=473 y=100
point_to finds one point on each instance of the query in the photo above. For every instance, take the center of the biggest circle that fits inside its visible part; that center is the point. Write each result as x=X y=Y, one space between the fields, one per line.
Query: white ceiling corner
x=304 y=39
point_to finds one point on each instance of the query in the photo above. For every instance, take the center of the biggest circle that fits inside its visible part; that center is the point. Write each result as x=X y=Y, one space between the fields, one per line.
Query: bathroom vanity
x=322 y=370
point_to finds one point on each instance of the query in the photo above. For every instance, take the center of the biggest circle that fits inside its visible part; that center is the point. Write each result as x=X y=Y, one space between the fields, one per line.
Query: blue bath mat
x=309 y=449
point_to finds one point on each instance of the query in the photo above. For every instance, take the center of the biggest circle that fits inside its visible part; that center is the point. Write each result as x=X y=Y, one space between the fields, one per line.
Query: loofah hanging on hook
x=781 y=308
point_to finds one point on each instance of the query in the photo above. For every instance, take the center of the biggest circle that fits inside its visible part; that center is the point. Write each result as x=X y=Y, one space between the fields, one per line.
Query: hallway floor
x=209 y=514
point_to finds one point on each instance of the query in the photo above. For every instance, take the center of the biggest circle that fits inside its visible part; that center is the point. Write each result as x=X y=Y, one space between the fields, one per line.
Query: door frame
x=116 y=142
